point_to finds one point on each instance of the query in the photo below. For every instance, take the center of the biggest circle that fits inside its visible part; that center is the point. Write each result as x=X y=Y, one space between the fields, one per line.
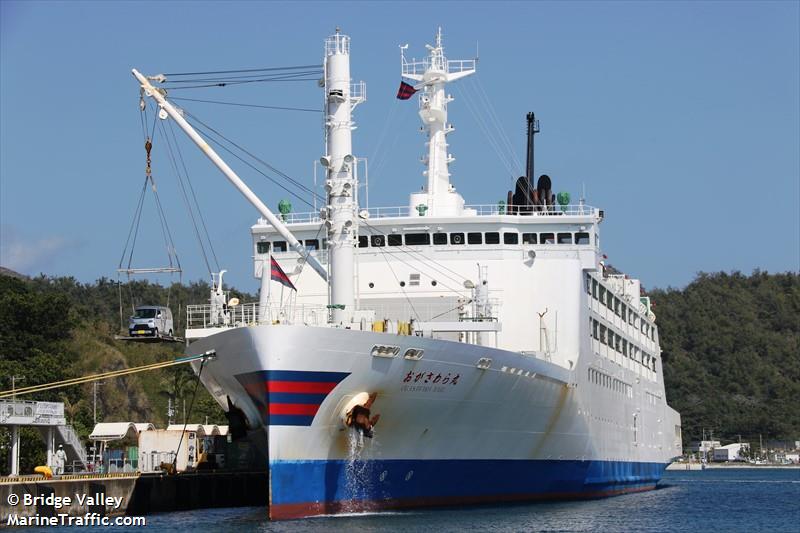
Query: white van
x=151 y=320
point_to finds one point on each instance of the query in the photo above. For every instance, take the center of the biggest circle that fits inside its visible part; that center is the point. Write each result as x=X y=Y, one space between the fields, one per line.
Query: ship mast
x=340 y=213
x=438 y=197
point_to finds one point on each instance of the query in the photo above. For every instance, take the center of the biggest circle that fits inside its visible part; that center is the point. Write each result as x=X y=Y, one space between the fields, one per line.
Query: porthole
x=434 y=283
x=402 y=283
x=371 y=285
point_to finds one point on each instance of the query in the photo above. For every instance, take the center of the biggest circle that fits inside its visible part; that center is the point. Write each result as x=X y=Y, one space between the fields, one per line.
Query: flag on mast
x=406 y=91
x=279 y=275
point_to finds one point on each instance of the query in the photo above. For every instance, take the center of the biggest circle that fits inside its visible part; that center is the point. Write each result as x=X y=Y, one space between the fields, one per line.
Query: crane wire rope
x=194 y=196
x=280 y=173
x=470 y=105
x=218 y=143
x=281 y=108
x=495 y=120
x=179 y=178
x=237 y=71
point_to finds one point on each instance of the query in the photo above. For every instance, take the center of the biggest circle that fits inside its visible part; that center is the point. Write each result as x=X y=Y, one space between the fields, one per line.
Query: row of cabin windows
x=476 y=237
x=262 y=247
x=425 y=239
x=606 y=297
x=604 y=380
x=616 y=342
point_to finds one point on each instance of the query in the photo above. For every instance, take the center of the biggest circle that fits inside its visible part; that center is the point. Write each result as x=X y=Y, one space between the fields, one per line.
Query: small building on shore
x=738 y=451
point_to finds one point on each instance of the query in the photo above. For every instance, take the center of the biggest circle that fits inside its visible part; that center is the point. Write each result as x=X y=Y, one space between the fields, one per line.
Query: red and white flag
x=279 y=275
x=406 y=91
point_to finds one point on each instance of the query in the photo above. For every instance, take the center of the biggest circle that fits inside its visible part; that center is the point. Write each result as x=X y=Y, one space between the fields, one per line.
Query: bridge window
x=440 y=238
x=377 y=241
x=510 y=238
x=363 y=241
x=312 y=244
x=492 y=238
x=547 y=238
x=581 y=238
x=417 y=239
x=262 y=247
x=474 y=238
x=529 y=238
x=279 y=246
x=394 y=239
x=565 y=238
x=456 y=238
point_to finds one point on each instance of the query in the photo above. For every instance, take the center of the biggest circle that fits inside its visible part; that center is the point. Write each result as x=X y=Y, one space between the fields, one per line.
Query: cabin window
x=609 y=300
x=616 y=306
x=602 y=334
x=492 y=238
x=363 y=241
x=440 y=238
x=594 y=288
x=510 y=238
x=312 y=244
x=279 y=246
x=456 y=238
x=474 y=238
x=618 y=343
x=262 y=247
x=594 y=328
x=394 y=239
x=623 y=311
x=602 y=295
x=377 y=241
x=588 y=283
x=529 y=238
x=625 y=347
x=565 y=238
x=418 y=239
x=581 y=238
x=547 y=238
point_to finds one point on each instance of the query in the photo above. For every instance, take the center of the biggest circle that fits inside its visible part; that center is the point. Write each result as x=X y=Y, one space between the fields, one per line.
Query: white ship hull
x=449 y=432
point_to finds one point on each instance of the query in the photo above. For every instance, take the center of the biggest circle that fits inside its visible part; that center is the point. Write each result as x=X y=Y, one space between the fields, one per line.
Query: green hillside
x=731 y=353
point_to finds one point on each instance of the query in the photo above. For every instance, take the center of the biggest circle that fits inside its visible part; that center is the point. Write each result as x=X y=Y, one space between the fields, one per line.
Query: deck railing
x=481 y=210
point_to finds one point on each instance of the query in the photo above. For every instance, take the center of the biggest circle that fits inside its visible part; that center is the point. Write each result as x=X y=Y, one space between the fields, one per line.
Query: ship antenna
x=432 y=74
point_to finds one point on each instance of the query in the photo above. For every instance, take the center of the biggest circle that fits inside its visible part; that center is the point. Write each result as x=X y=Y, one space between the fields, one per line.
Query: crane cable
x=105 y=375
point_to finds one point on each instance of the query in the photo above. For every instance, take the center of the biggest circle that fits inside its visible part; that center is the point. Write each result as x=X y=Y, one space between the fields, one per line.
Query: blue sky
x=682 y=120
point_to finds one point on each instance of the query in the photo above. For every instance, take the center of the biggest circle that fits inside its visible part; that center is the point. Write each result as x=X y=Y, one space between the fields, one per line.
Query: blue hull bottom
x=308 y=488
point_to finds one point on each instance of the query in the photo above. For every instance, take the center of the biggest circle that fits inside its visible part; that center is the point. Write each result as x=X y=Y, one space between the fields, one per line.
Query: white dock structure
x=48 y=418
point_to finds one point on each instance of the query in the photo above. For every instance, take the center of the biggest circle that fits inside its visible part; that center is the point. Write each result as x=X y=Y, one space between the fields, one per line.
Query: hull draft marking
x=289 y=397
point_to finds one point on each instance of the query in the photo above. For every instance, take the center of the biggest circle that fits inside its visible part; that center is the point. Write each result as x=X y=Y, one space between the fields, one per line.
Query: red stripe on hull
x=293 y=409
x=293 y=511
x=308 y=387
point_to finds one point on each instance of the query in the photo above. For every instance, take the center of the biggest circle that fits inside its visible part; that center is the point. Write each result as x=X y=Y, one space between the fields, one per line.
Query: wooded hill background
x=731 y=353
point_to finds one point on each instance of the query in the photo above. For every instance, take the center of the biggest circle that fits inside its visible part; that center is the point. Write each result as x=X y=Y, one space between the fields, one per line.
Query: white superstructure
x=486 y=350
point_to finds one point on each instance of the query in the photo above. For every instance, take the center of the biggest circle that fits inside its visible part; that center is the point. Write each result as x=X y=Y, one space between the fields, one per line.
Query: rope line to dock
x=104 y=375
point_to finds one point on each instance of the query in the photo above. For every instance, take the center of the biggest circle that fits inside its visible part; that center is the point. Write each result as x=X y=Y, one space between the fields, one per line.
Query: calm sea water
x=709 y=501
